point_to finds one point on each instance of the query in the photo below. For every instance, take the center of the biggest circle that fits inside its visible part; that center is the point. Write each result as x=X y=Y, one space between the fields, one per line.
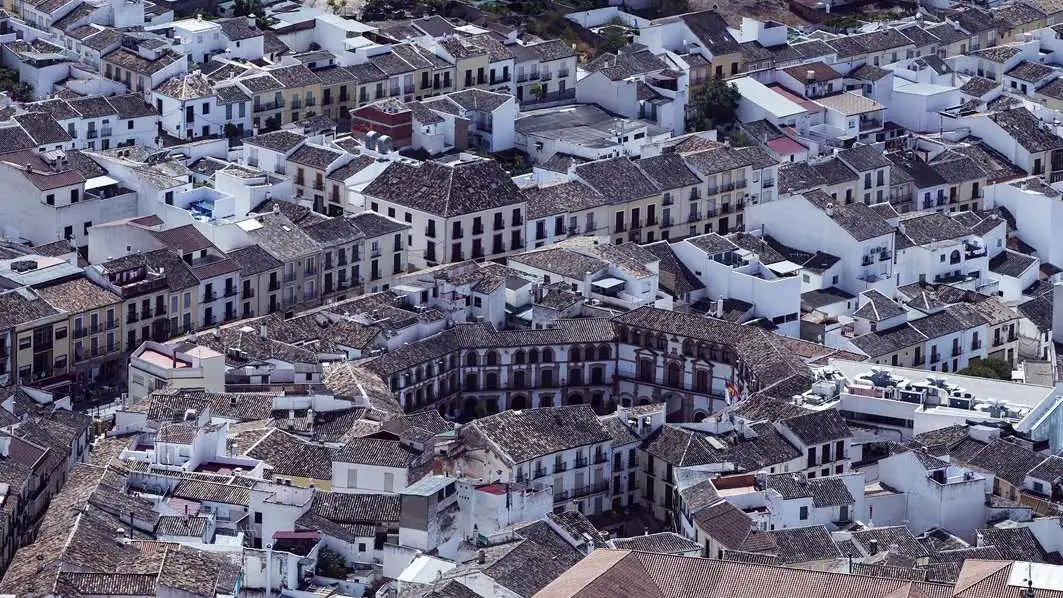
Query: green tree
x=992 y=368
x=668 y=8
x=330 y=564
x=22 y=92
x=615 y=38
x=714 y=103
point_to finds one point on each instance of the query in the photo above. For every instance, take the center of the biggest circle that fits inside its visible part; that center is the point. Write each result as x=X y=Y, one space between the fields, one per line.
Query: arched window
x=491 y=381
x=662 y=342
x=675 y=375
x=605 y=353
x=688 y=348
x=622 y=333
x=574 y=354
x=701 y=381
x=548 y=355
x=471 y=358
x=954 y=258
x=518 y=357
x=533 y=356
x=703 y=351
x=647 y=370
x=518 y=379
x=636 y=337
x=492 y=358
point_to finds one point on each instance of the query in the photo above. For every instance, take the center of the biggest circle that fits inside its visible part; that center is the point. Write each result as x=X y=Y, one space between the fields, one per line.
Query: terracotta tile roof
x=669 y=576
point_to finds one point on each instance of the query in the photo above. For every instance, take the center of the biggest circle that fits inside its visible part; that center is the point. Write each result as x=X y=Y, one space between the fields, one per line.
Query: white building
x=154 y=366
x=858 y=235
x=570 y=453
x=50 y=200
x=911 y=402
x=740 y=273
x=934 y=494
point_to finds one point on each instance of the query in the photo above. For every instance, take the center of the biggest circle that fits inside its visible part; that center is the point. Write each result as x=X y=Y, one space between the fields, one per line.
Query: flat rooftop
x=162 y=360
x=1013 y=393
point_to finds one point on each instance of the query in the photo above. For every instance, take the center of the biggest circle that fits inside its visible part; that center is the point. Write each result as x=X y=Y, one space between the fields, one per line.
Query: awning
x=607 y=283
x=99 y=181
x=784 y=267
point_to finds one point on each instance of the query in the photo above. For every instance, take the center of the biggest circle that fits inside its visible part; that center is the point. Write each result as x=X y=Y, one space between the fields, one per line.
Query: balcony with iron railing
x=267 y=106
x=550 y=96
x=581 y=491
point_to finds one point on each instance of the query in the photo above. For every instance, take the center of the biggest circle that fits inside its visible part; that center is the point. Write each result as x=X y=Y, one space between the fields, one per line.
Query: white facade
x=774 y=296
x=797 y=223
x=1038 y=213
x=952 y=498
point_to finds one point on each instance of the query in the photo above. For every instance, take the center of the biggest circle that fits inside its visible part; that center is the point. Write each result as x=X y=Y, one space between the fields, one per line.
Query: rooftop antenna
x=1028 y=592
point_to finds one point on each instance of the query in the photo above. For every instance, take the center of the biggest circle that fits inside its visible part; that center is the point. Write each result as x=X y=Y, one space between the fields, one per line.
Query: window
x=804 y=513
x=50 y=199
x=25 y=342
x=68 y=232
